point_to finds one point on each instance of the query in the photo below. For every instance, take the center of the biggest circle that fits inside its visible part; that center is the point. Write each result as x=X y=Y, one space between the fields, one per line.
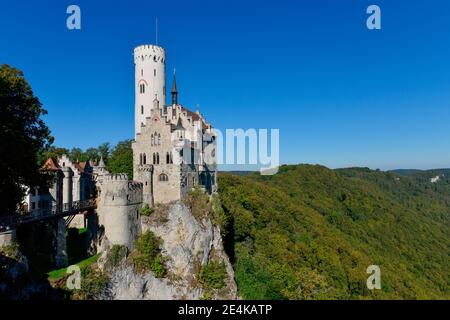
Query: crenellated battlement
x=117 y=190
x=116 y=177
x=148 y=52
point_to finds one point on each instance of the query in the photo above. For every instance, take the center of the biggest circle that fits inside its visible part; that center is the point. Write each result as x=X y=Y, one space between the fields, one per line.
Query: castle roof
x=80 y=166
x=193 y=115
x=174 y=83
x=179 y=125
x=101 y=164
x=51 y=165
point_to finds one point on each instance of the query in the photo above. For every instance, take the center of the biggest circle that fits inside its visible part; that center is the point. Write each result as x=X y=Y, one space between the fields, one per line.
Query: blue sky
x=340 y=94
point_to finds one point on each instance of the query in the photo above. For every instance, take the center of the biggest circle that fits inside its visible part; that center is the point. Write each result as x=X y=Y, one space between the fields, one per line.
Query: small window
x=142 y=109
x=142 y=72
x=154 y=72
x=163 y=177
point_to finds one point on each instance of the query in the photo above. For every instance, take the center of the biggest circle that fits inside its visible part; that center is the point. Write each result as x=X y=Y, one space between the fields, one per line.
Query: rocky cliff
x=190 y=244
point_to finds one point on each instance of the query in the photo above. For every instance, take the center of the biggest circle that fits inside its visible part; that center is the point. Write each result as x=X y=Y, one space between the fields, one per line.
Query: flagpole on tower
x=156 y=27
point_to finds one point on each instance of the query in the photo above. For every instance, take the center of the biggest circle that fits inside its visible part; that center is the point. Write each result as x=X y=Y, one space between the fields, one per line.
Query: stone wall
x=118 y=209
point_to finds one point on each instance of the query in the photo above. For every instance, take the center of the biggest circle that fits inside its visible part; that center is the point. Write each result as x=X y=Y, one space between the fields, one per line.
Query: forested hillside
x=309 y=232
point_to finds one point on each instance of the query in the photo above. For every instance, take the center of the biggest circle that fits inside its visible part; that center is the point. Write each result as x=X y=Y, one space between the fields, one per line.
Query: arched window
x=163 y=177
x=142 y=88
x=145 y=158
x=153 y=139
x=140 y=158
x=171 y=157
x=167 y=158
x=159 y=139
x=157 y=158
x=142 y=109
x=154 y=158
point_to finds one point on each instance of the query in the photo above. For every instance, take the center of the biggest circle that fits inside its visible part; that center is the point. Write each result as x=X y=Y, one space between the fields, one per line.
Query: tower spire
x=174 y=88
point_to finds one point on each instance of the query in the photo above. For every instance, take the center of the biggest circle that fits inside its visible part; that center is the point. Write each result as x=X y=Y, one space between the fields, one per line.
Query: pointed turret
x=101 y=163
x=174 y=88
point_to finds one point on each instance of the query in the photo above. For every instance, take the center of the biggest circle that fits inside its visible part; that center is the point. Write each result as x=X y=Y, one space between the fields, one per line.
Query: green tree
x=76 y=155
x=121 y=160
x=51 y=152
x=23 y=136
x=104 y=150
x=92 y=154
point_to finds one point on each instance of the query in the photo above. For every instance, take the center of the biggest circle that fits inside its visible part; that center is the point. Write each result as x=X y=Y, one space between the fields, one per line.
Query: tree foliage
x=121 y=160
x=23 y=136
x=147 y=256
x=309 y=232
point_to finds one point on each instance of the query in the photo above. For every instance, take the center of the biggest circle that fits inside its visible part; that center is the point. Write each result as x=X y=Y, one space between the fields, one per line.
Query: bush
x=11 y=251
x=212 y=276
x=147 y=255
x=198 y=202
x=115 y=256
x=146 y=210
x=93 y=284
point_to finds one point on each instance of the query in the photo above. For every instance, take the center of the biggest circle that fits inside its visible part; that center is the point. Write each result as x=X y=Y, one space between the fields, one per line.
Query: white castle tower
x=150 y=81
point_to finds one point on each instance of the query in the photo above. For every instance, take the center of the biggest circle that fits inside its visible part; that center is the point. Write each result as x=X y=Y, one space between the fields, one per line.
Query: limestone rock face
x=188 y=244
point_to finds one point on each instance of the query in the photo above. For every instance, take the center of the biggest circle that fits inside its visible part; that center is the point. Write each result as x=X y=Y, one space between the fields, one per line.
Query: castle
x=174 y=150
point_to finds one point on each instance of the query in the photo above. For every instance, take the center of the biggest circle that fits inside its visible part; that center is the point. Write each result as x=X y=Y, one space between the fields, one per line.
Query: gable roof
x=51 y=165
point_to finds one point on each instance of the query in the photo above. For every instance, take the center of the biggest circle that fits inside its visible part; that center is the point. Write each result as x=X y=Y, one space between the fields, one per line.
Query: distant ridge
x=239 y=173
x=411 y=172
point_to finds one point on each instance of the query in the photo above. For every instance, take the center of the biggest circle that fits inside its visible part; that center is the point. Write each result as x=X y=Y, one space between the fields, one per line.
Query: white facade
x=150 y=81
x=171 y=142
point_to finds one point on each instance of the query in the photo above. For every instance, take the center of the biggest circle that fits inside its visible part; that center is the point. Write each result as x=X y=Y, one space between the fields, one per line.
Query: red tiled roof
x=80 y=166
x=193 y=115
x=51 y=165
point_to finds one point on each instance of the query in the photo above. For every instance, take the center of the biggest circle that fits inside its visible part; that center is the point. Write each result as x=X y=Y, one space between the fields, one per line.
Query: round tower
x=150 y=81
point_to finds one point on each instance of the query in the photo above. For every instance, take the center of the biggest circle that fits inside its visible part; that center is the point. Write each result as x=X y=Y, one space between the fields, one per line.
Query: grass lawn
x=56 y=275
